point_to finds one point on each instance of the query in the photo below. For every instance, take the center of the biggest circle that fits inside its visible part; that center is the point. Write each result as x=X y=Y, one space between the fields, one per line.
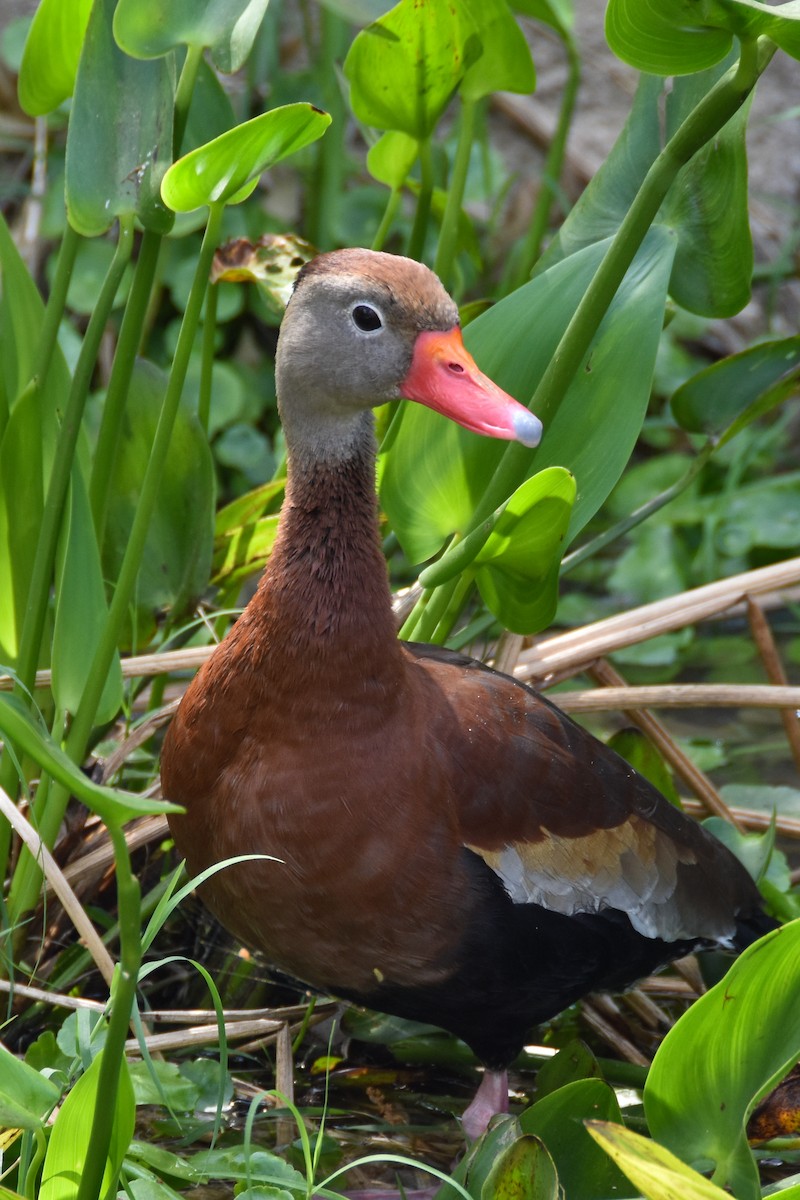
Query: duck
x=439 y=841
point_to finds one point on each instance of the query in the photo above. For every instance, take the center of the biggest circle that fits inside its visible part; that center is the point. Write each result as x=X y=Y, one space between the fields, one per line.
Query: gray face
x=348 y=336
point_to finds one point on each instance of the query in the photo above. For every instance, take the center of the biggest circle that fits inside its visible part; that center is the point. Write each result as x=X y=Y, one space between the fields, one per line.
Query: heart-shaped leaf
x=26 y=1096
x=664 y=37
x=723 y=1055
x=150 y=28
x=114 y=164
x=404 y=68
x=226 y=170
x=50 y=58
x=522 y=1171
x=505 y=62
x=391 y=158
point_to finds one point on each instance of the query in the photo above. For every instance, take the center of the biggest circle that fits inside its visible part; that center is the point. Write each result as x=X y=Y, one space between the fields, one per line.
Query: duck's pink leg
x=490 y=1098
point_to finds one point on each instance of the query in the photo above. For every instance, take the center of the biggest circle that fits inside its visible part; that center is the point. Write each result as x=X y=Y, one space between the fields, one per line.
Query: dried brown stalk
x=765 y=643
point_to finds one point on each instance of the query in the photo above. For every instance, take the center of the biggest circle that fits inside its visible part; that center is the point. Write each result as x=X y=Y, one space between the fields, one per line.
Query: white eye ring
x=366 y=318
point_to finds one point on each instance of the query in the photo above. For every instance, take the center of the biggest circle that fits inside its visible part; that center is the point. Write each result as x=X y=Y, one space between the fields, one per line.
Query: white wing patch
x=631 y=867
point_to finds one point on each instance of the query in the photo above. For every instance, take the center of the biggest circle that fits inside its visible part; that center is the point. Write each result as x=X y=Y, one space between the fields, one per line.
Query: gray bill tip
x=528 y=429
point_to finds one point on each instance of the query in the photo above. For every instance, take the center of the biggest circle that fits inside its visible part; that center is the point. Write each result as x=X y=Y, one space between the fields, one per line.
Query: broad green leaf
x=391 y=158
x=161 y=1082
x=723 y=1055
x=244 y=1162
x=68 y=1147
x=584 y=1171
x=150 y=28
x=729 y=394
x=559 y=14
x=50 y=57
x=81 y=609
x=111 y=804
x=404 y=68
x=523 y=1171
x=114 y=163
x=756 y=851
x=574 y=1061
x=26 y=1097
x=706 y=206
x=434 y=473
x=518 y=566
x=505 y=63
x=751 y=19
x=177 y=560
x=665 y=37
x=656 y=1172
x=226 y=170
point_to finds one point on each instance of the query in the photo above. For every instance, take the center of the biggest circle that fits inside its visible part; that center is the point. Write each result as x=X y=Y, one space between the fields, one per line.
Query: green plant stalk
x=326 y=196
x=416 y=244
x=551 y=175
x=207 y=360
x=458 y=598
x=32 y=1169
x=387 y=219
x=183 y=95
x=108 y=438
x=703 y=123
x=448 y=234
x=56 y=303
x=26 y=877
x=428 y=612
x=123 y=996
x=608 y=536
x=42 y=572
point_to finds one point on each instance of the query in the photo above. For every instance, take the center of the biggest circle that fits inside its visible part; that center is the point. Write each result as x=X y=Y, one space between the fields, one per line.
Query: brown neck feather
x=323 y=606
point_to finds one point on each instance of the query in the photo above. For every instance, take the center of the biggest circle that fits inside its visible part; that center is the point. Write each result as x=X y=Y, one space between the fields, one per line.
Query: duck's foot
x=490 y=1098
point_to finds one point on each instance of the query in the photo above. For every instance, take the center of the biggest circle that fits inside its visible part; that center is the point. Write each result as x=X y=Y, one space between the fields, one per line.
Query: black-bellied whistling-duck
x=452 y=847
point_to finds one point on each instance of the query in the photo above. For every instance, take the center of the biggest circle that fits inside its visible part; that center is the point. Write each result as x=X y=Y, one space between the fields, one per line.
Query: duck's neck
x=325 y=597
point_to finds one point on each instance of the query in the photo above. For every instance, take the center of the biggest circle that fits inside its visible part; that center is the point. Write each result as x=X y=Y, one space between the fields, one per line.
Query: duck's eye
x=366 y=318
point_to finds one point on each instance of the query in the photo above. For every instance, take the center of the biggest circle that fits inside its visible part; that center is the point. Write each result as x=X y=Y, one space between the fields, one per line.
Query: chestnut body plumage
x=451 y=847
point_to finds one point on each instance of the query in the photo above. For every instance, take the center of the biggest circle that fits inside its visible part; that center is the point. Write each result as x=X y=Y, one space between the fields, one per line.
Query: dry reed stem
x=56 y=879
x=206 y=1035
x=679 y=695
x=599 y=1024
x=682 y=765
x=765 y=644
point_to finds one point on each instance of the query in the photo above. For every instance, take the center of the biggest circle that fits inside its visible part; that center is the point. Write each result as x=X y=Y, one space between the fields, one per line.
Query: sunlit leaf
x=404 y=68
x=574 y=1061
x=658 y=1174
x=26 y=1097
x=391 y=158
x=68 y=1147
x=50 y=57
x=226 y=170
x=637 y=749
x=505 y=62
x=518 y=566
x=559 y=14
x=115 y=164
x=723 y=1055
x=150 y=28
x=731 y=393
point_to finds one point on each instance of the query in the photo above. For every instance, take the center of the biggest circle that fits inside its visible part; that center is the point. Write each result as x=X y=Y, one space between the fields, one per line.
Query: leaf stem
x=448 y=235
x=416 y=244
x=207 y=361
x=390 y=211
x=183 y=95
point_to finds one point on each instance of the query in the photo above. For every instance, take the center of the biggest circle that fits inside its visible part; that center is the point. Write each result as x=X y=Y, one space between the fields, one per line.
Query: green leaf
x=243 y=1162
x=637 y=749
x=657 y=1174
x=723 y=1055
x=751 y=19
x=50 y=58
x=226 y=170
x=176 y=564
x=115 y=164
x=404 y=68
x=160 y=1082
x=505 y=63
x=522 y=1171
x=434 y=473
x=725 y=397
x=558 y=1119
x=68 y=1148
x=558 y=14
x=26 y=1097
x=150 y=28
x=112 y=805
x=391 y=158
x=518 y=565
x=573 y=1062
x=664 y=37
x=81 y=609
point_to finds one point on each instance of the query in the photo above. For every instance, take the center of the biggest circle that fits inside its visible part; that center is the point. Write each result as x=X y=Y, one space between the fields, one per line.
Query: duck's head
x=364 y=327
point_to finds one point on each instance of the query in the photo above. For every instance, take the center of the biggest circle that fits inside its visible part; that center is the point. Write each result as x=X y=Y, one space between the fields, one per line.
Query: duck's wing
x=565 y=822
